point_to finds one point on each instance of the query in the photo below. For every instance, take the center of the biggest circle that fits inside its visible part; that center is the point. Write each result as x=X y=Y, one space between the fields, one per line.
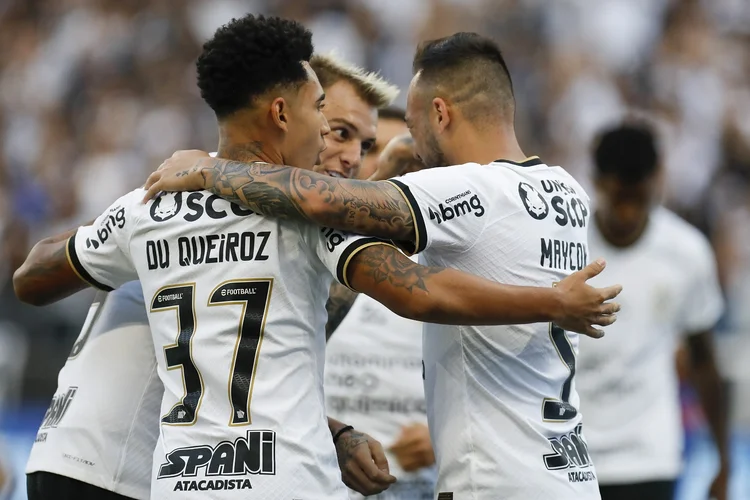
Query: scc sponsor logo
x=570 y=209
x=169 y=205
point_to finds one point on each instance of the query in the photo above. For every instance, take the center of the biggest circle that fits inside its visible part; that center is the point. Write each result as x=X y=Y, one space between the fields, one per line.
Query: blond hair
x=370 y=86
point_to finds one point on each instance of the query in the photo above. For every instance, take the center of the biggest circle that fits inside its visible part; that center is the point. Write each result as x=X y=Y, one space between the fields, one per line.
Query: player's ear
x=441 y=114
x=280 y=113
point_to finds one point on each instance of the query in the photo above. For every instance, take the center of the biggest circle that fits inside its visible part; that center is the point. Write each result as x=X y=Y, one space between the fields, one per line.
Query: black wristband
x=340 y=432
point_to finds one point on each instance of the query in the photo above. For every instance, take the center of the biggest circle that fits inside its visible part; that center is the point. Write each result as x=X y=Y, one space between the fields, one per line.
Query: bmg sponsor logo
x=115 y=219
x=452 y=208
x=333 y=238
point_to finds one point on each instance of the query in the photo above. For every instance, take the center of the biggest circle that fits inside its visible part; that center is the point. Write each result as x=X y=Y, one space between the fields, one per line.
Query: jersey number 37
x=253 y=297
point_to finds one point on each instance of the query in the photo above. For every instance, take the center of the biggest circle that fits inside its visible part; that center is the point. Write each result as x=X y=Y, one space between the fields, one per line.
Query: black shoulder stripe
x=420 y=229
x=351 y=251
x=75 y=262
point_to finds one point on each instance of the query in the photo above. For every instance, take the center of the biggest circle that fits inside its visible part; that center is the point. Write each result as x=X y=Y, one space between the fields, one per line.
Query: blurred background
x=94 y=94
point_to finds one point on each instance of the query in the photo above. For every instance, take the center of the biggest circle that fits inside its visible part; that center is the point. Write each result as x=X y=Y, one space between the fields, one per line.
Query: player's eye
x=321 y=105
x=341 y=133
x=367 y=147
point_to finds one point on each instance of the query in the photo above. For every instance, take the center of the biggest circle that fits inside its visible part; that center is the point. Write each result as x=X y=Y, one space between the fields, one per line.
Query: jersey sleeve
x=100 y=253
x=705 y=303
x=336 y=249
x=449 y=210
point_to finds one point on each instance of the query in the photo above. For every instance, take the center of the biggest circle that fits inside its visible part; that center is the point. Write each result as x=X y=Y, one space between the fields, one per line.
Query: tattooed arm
x=363 y=464
x=372 y=208
x=340 y=300
x=448 y=296
x=47 y=275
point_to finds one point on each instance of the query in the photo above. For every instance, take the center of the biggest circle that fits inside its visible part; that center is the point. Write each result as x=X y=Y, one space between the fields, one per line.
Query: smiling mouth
x=338 y=175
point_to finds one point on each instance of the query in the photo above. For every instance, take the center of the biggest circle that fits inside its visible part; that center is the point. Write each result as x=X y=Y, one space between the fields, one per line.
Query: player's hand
x=397 y=158
x=584 y=306
x=413 y=448
x=363 y=465
x=181 y=172
x=720 y=485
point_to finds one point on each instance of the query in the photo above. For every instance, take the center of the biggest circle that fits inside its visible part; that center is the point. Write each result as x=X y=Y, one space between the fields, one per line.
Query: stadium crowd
x=94 y=94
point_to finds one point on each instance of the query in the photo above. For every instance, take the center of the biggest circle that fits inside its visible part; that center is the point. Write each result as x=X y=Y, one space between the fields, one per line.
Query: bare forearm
x=375 y=209
x=46 y=276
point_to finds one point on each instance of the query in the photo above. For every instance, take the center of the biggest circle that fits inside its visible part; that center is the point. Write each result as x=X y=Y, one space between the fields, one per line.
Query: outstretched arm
x=447 y=296
x=364 y=207
x=47 y=274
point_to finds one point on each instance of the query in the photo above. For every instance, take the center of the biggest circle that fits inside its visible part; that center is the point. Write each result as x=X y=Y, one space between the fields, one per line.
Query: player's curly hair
x=248 y=57
x=627 y=151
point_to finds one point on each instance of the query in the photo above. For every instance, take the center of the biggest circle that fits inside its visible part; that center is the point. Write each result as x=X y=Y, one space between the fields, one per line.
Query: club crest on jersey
x=166 y=206
x=254 y=454
x=533 y=201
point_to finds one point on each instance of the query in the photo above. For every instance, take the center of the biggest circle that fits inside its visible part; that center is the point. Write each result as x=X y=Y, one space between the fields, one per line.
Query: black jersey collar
x=531 y=161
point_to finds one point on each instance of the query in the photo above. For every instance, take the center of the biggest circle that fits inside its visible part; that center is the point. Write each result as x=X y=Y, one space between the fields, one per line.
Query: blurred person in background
x=628 y=382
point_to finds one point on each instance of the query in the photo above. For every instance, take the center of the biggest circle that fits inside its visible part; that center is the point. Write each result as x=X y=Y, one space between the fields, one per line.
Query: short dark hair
x=392 y=113
x=627 y=151
x=250 y=56
x=472 y=66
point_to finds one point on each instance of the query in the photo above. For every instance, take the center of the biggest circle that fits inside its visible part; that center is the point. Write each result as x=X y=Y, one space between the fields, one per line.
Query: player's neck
x=619 y=240
x=245 y=145
x=486 y=146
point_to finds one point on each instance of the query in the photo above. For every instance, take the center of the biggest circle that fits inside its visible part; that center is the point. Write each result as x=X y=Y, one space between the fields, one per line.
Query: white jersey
x=373 y=381
x=237 y=311
x=501 y=401
x=102 y=424
x=627 y=380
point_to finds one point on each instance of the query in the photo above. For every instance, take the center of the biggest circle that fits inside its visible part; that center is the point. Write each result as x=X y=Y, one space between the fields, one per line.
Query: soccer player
x=501 y=401
x=236 y=300
x=98 y=436
x=106 y=383
x=628 y=382
x=353 y=100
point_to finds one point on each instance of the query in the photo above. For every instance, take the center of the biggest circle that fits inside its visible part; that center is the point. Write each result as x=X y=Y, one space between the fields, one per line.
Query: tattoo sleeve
x=445 y=296
x=371 y=208
x=340 y=300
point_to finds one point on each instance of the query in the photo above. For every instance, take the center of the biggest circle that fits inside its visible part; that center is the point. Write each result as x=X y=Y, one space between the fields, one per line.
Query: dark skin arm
x=340 y=300
x=47 y=276
x=705 y=377
x=372 y=208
